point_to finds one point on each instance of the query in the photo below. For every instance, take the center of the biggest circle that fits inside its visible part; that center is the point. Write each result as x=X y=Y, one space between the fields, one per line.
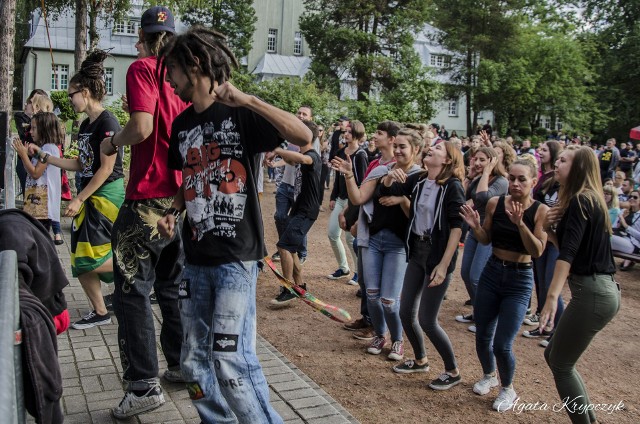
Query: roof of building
x=275 y=64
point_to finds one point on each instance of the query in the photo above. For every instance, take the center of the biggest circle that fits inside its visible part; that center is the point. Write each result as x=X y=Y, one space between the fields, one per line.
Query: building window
x=272 y=40
x=546 y=123
x=59 y=77
x=129 y=27
x=108 y=81
x=558 y=125
x=297 y=44
x=453 y=108
x=440 y=61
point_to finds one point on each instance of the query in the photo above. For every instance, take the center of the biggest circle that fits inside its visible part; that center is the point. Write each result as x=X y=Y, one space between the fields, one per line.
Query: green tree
x=368 y=41
x=234 y=18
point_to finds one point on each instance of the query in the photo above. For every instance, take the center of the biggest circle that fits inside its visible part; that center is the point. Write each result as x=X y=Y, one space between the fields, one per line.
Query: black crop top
x=505 y=234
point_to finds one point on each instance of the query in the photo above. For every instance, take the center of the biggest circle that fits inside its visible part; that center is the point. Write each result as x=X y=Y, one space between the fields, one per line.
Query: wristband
x=172 y=211
x=284 y=145
x=45 y=158
x=348 y=177
x=115 y=148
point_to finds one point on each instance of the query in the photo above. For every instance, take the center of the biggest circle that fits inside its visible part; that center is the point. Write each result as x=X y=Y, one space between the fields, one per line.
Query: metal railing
x=11 y=393
x=9 y=192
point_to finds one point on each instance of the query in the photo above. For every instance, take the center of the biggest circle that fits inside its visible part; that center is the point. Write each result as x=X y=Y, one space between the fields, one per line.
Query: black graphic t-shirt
x=90 y=135
x=215 y=150
x=307 y=202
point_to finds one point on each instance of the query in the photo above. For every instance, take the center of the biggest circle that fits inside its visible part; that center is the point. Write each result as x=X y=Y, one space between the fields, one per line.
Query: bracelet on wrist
x=172 y=211
x=348 y=177
x=45 y=158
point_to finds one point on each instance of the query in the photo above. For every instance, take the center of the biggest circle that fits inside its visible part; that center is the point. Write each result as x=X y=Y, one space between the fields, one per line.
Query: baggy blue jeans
x=501 y=304
x=384 y=263
x=219 y=361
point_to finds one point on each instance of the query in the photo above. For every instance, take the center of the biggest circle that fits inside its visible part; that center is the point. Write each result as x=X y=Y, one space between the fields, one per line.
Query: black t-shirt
x=387 y=217
x=626 y=153
x=605 y=159
x=215 y=150
x=583 y=239
x=308 y=201
x=90 y=135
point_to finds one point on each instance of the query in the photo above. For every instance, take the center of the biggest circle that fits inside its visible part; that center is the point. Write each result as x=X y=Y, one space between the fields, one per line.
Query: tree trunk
x=7 y=44
x=467 y=91
x=94 y=37
x=81 y=33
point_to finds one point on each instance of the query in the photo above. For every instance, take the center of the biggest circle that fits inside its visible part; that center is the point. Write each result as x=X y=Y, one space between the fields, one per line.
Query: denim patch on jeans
x=219 y=361
x=502 y=300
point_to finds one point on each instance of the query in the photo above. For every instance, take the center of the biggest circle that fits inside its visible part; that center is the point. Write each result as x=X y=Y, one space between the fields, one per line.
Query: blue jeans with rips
x=384 y=263
x=219 y=361
x=284 y=202
x=501 y=304
x=474 y=258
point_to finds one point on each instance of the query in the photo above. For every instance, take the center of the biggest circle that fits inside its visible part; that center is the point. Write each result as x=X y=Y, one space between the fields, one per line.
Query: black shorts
x=292 y=239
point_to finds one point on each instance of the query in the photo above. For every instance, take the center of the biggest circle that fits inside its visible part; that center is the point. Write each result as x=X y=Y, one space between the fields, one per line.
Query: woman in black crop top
x=582 y=236
x=513 y=225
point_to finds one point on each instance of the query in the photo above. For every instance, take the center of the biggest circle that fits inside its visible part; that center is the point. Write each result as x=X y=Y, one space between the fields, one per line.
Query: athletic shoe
x=505 y=399
x=397 y=351
x=531 y=319
x=538 y=332
x=485 y=384
x=108 y=301
x=472 y=328
x=131 y=404
x=368 y=334
x=153 y=298
x=173 y=376
x=359 y=293
x=464 y=318
x=284 y=298
x=378 y=342
x=468 y=303
x=275 y=257
x=302 y=259
x=338 y=274
x=91 y=320
x=410 y=366
x=545 y=342
x=354 y=280
x=357 y=325
x=445 y=382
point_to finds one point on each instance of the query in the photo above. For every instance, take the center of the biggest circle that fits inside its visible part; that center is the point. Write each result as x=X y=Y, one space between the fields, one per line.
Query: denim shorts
x=292 y=238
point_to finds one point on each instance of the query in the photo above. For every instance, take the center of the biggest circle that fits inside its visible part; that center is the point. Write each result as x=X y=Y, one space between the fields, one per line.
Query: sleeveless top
x=504 y=233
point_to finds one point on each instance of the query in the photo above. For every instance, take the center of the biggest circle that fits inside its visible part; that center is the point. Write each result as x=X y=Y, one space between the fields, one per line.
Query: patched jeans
x=219 y=361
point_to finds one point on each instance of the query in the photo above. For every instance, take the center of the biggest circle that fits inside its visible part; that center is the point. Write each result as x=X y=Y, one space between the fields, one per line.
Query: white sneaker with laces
x=505 y=399
x=472 y=328
x=485 y=385
x=131 y=404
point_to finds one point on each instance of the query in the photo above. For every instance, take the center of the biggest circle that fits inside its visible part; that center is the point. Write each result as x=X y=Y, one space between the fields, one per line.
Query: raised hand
x=470 y=216
x=552 y=218
x=19 y=147
x=516 y=215
x=490 y=166
x=341 y=165
x=229 y=95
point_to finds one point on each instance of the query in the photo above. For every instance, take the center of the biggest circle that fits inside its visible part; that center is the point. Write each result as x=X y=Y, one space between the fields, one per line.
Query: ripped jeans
x=384 y=262
x=219 y=361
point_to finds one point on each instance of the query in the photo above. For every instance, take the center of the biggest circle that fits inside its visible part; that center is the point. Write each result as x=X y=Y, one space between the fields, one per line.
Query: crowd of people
x=188 y=227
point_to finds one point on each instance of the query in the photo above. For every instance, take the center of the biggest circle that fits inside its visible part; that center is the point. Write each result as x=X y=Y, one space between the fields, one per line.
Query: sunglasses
x=73 y=94
x=634 y=197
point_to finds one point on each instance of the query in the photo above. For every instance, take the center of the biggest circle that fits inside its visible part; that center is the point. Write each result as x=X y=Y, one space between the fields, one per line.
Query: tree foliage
x=234 y=18
x=366 y=41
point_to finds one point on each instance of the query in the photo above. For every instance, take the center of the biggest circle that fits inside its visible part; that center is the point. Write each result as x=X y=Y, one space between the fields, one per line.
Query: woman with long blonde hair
x=586 y=260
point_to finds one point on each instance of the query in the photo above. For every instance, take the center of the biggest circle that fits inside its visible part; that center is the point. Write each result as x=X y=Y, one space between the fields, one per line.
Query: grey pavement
x=91 y=372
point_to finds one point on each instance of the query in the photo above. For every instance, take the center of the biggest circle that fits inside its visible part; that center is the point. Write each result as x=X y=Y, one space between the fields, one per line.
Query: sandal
x=57 y=239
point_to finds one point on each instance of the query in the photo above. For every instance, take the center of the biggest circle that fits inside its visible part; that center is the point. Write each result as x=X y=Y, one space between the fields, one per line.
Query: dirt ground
x=365 y=385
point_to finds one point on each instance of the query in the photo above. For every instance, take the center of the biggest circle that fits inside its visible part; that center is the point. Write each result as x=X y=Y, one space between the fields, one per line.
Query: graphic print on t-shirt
x=214 y=179
x=85 y=155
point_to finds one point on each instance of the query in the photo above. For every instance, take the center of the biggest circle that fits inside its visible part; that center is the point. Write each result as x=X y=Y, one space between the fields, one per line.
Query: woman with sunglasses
x=431 y=241
x=628 y=239
x=579 y=225
x=513 y=225
x=95 y=207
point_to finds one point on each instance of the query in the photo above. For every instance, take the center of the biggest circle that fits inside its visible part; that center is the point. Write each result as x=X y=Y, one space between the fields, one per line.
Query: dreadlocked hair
x=204 y=48
x=156 y=41
x=91 y=75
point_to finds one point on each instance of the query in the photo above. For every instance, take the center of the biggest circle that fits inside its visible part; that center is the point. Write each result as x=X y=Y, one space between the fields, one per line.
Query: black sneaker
x=445 y=382
x=275 y=257
x=284 y=298
x=468 y=303
x=153 y=299
x=91 y=320
x=108 y=301
x=538 y=332
x=410 y=366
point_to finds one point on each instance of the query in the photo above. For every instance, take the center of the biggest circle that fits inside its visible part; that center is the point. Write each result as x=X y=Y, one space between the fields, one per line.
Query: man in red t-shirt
x=142 y=259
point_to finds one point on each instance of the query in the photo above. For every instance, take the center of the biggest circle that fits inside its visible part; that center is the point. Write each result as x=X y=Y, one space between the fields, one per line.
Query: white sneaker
x=472 y=328
x=131 y=404
x=505 y=399
x=485 y=385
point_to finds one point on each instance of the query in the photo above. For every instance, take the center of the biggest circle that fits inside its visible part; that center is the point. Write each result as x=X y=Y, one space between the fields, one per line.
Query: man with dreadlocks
x=142 y=259
x=217 y=142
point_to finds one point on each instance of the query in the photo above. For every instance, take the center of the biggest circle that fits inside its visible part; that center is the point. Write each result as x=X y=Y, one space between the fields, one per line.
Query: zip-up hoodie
x=449 y=199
